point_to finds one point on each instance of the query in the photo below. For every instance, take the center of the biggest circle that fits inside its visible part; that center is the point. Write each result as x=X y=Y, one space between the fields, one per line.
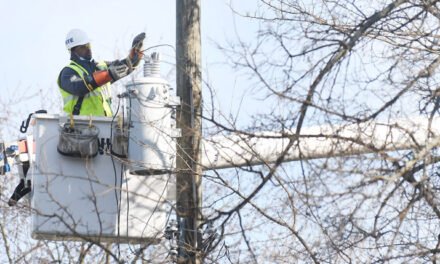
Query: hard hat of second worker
x=76 y=37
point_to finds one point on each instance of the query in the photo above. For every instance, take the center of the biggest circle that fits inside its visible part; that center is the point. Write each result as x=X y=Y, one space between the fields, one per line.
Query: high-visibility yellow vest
x=96 y=102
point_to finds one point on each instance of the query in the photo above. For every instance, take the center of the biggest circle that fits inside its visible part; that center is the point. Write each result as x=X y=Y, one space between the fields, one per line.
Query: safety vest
x=95 y=103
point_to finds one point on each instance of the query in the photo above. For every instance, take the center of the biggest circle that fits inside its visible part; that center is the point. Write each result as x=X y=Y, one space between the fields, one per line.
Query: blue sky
x=33 y=50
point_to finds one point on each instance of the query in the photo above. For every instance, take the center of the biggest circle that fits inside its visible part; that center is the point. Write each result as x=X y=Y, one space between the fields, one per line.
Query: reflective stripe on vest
x=96 y=102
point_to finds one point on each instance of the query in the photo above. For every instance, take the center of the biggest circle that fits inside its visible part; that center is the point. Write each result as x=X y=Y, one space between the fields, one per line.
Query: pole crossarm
x=245 y=149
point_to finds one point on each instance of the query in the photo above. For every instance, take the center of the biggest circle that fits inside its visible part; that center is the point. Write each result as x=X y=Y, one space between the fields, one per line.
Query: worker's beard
x=88 y=56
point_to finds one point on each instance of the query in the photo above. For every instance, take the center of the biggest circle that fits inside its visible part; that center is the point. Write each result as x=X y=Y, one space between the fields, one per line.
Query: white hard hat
x=76 y=37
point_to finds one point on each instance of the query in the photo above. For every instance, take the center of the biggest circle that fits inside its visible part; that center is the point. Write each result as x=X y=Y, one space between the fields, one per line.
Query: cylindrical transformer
x=152 y=130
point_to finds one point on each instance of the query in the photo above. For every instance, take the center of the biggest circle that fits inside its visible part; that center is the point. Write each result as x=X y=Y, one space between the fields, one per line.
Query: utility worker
x=85 y=84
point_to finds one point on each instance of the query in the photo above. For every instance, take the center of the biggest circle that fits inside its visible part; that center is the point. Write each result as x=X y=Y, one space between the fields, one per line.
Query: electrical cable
x=118 y=202
x=126 y=182
x=157 y=204
x=160 y=45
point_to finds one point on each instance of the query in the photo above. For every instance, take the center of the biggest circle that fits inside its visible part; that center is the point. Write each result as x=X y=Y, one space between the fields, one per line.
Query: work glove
x=136 y=54
x=118 y=70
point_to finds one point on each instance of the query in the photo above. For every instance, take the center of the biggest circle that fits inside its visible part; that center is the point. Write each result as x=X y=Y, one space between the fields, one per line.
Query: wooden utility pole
x=189 y=171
